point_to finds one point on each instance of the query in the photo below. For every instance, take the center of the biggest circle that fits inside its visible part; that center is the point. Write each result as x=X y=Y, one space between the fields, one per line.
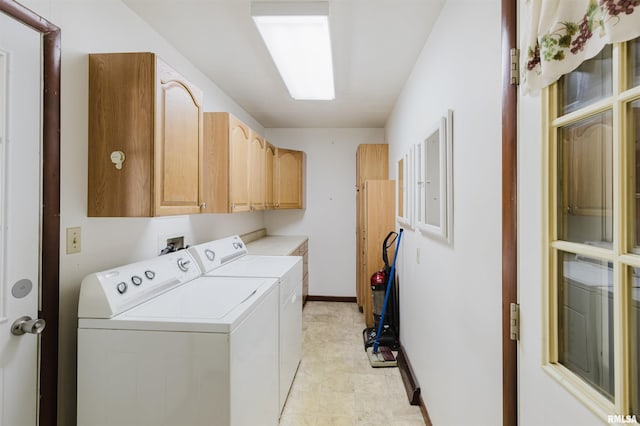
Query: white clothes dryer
x=160 y=345
x=228 y=257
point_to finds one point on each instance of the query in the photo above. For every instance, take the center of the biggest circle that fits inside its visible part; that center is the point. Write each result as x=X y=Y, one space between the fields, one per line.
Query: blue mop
x=383 y=356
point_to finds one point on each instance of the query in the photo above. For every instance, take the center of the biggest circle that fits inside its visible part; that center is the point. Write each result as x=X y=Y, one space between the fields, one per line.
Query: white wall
x=108 y=26
x=330 y=215
x=450 y=302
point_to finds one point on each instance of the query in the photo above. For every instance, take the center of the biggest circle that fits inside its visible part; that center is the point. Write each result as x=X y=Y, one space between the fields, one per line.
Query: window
x=593 y=224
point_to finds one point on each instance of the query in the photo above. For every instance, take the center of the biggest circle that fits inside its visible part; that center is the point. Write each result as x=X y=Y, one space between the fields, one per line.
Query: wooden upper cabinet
x=289 y=179
x=226 y=163
x=587 y=153
x=143 y=111
x=269 y=165
x=257 y=172
x=239 y=141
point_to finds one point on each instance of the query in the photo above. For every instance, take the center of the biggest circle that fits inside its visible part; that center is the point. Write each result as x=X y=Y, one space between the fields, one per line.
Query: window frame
x=404 y=189
x=621 y=254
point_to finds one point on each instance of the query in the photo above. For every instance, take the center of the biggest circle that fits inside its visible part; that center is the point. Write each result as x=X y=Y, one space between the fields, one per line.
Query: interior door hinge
x=514 y=321
x=515 y=66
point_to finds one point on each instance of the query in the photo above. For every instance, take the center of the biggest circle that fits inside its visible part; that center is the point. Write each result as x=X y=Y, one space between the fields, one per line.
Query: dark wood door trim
x=509 y=216
x=50 y=250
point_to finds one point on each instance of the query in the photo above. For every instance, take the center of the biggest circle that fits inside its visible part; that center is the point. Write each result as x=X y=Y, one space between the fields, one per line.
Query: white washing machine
x=160 y=345
x=228 y=257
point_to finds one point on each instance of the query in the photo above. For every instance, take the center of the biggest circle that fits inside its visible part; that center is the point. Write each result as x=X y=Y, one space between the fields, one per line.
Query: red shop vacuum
x=390 y=330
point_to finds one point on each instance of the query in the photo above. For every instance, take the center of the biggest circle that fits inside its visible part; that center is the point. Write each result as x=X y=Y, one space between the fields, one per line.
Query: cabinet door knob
x=203 y=205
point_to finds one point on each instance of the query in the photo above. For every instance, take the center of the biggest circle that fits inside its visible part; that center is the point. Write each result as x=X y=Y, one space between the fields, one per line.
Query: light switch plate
x=73 y=240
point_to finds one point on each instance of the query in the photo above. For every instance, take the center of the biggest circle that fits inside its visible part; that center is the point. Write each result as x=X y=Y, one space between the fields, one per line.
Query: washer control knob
x=136 y=280
x=122 y=287
x=183 y=264
x=150 y=274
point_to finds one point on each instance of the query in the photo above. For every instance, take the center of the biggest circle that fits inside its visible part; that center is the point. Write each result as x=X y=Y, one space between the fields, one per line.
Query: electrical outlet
x=73 y=240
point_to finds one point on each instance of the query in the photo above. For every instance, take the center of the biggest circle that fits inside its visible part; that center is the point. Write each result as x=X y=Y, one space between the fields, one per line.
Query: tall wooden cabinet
x=378 y=219
x=145 y=138
x=289 y=179
x=375 y=213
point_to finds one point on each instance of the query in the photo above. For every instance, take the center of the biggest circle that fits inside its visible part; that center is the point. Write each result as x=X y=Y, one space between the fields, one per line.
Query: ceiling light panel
x=298 y=39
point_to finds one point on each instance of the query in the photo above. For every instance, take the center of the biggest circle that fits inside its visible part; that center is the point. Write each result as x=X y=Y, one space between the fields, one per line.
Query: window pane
x=588 y=83
x=634 y=62
x=585 y=181
x=634 y=339
x=585 y=319
x=634 y=135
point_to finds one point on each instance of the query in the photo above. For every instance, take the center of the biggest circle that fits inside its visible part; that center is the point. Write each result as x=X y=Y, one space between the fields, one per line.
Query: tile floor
x=335 y=384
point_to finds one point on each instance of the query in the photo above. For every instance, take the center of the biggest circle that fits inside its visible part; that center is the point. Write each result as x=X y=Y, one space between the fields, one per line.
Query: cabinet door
x=178 y=144
x=239 y=138
x=590 y=183
x=378 y=220
x=257 y=172
x=372 y=162
x=269 y=165
x=121 y=122
x=289 y=178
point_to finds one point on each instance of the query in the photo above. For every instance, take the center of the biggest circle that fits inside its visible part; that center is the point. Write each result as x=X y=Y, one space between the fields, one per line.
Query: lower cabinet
x=303 y=250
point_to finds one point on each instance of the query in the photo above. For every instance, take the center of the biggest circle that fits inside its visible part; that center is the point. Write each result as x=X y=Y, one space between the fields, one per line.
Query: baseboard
x=408 y=377
x=425 y=413
x=330 y=299
x=411 y=384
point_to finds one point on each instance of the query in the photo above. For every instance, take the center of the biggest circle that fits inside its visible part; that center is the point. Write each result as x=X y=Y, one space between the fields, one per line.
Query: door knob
x=27 y=325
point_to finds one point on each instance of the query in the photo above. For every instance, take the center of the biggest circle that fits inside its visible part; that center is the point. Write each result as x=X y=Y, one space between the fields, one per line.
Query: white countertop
x=276 y=245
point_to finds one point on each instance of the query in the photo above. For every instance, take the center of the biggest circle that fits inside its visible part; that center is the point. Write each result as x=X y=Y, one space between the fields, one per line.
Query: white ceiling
x=375 y=45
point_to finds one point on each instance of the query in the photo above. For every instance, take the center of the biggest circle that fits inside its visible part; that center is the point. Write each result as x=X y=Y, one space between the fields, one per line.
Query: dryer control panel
x=108 y=293
x=217 y=253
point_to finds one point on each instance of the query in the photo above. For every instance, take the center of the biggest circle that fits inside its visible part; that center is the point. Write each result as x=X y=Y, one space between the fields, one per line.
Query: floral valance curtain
x=561 y=34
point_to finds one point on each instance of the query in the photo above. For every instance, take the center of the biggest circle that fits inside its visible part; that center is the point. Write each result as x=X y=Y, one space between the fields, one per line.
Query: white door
x=20 y=124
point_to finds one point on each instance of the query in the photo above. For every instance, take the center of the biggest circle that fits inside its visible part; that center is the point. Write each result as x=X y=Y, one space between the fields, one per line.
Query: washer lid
x=205 y=304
